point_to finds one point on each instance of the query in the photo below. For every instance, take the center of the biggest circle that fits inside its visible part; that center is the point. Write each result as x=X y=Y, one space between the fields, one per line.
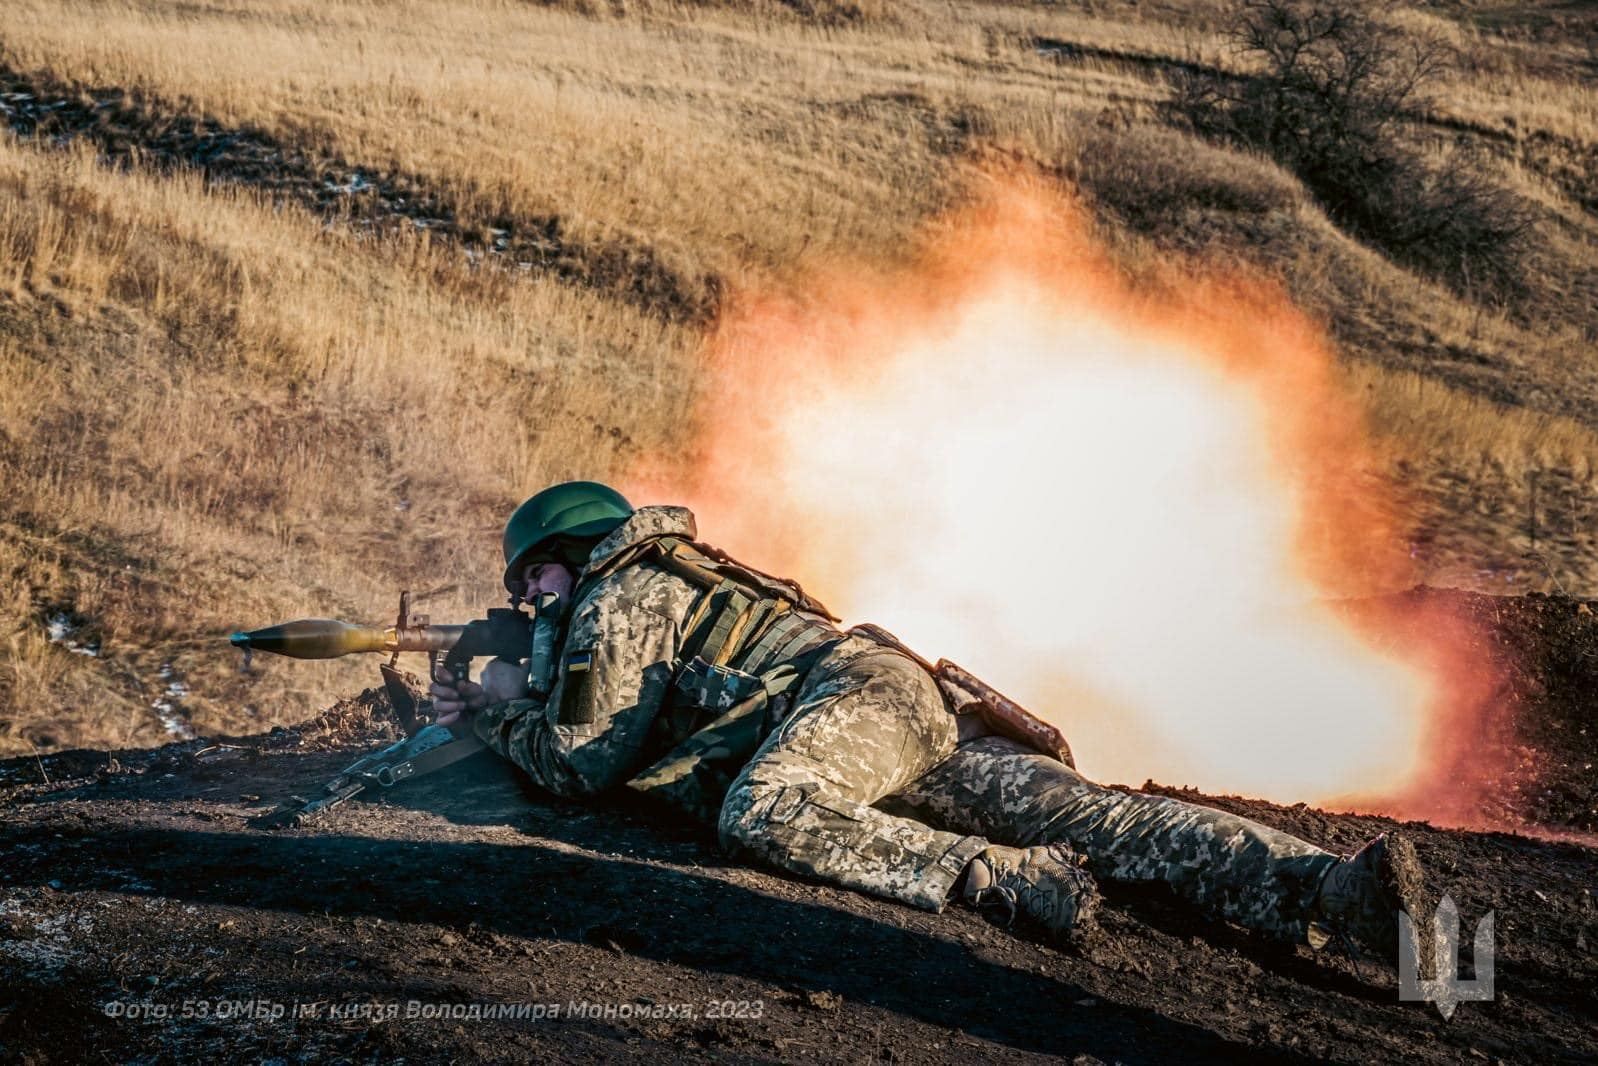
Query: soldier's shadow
x=489 y=791
x=636 y=908
x=636 y=885
x=1162 y=914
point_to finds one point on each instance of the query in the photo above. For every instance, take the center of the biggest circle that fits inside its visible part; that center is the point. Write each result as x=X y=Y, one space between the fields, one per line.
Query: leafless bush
x=1452 y=219
x=1331 y=99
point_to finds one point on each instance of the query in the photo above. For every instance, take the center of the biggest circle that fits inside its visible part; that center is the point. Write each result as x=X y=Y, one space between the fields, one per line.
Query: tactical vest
x=750 y=639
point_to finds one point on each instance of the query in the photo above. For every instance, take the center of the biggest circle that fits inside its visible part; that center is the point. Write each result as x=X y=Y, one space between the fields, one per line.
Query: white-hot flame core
x=1095 y=520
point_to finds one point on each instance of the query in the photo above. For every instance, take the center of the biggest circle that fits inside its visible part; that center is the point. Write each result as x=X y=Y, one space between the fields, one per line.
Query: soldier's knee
x=732 y=825
x=736 y=826
x=751 y=807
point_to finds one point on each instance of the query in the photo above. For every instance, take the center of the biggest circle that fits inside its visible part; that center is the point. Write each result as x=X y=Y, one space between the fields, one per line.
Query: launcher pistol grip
x=505 y=634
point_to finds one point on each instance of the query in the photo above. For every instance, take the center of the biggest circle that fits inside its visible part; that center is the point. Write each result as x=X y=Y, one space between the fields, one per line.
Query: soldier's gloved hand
x=451 y=699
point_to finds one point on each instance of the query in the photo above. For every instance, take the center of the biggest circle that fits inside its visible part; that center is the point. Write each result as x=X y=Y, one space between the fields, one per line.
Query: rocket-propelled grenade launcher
x=506 y=633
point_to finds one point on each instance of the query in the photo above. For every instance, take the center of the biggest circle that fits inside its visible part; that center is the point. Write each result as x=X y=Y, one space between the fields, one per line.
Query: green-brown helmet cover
x=574 y=509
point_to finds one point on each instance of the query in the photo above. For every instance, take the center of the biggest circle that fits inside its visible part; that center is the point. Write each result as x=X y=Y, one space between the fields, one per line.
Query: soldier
x=661 y=665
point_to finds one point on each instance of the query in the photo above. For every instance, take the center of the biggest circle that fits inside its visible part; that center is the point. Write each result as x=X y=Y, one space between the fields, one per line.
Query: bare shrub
x=1452 y=219
x=1334 y=84
x=1331 y=97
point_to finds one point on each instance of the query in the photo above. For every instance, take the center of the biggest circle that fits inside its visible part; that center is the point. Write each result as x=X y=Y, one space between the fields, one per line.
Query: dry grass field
x=475 y=245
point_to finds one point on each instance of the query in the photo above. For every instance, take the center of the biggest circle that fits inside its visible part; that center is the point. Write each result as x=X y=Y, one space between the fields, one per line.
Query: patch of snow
x=37 y=953
x=357 y=182
x=166 y=708
x=175 y=725
x=60 y=629
x=175 y=688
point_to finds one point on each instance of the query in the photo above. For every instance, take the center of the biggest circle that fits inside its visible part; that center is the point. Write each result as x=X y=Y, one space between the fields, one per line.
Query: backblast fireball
x=1133 y=503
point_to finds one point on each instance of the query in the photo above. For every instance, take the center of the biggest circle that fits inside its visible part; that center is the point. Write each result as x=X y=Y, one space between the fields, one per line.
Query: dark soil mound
x=462 y=918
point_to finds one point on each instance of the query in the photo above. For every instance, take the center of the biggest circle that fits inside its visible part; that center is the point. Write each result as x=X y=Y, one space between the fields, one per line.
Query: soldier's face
x=538 y=578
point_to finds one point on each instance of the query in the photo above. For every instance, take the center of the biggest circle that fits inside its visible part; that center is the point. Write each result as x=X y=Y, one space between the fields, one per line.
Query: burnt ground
x=130 y=882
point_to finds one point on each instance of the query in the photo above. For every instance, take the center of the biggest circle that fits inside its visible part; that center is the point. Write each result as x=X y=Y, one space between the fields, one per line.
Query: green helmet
x=584 y=510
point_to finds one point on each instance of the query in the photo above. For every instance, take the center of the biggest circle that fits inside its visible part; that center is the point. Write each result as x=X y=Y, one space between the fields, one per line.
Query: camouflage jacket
x=623 y=698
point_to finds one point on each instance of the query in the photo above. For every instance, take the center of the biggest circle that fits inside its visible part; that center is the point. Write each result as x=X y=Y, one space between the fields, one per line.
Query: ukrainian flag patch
x=577 y=696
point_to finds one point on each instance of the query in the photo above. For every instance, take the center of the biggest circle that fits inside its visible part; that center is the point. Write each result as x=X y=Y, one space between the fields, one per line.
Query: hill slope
x=297 y=300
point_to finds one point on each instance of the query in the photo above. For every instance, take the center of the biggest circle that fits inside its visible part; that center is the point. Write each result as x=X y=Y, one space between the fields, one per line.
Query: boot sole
x=1405 y=885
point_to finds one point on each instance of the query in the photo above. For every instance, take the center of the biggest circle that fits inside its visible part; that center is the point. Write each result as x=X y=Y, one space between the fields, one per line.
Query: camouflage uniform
x=818 y=729
x=593 y=729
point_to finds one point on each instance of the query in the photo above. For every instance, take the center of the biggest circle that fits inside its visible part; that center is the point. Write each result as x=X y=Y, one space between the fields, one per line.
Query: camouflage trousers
x=1225 y=865
x=866 y=722
x=867 y=785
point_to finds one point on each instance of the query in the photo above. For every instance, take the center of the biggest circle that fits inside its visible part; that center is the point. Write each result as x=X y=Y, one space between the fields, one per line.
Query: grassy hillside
x=297 y=299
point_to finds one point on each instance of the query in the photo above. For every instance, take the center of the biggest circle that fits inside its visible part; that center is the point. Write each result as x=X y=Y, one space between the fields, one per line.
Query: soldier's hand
x=503 y=681
x=451 y=699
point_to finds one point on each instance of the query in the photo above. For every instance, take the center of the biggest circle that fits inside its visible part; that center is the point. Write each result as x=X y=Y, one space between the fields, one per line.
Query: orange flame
x=1125 y=505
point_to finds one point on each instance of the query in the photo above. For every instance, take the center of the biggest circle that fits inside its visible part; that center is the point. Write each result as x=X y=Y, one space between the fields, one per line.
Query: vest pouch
x=695 y=775
x=705 y=686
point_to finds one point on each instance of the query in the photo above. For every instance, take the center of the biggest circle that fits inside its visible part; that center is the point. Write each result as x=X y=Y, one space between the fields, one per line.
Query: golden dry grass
x=217 y=412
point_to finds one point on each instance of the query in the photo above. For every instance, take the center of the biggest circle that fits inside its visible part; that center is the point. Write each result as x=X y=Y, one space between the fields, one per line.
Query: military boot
x=1362 y=895
x=1046 y=884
